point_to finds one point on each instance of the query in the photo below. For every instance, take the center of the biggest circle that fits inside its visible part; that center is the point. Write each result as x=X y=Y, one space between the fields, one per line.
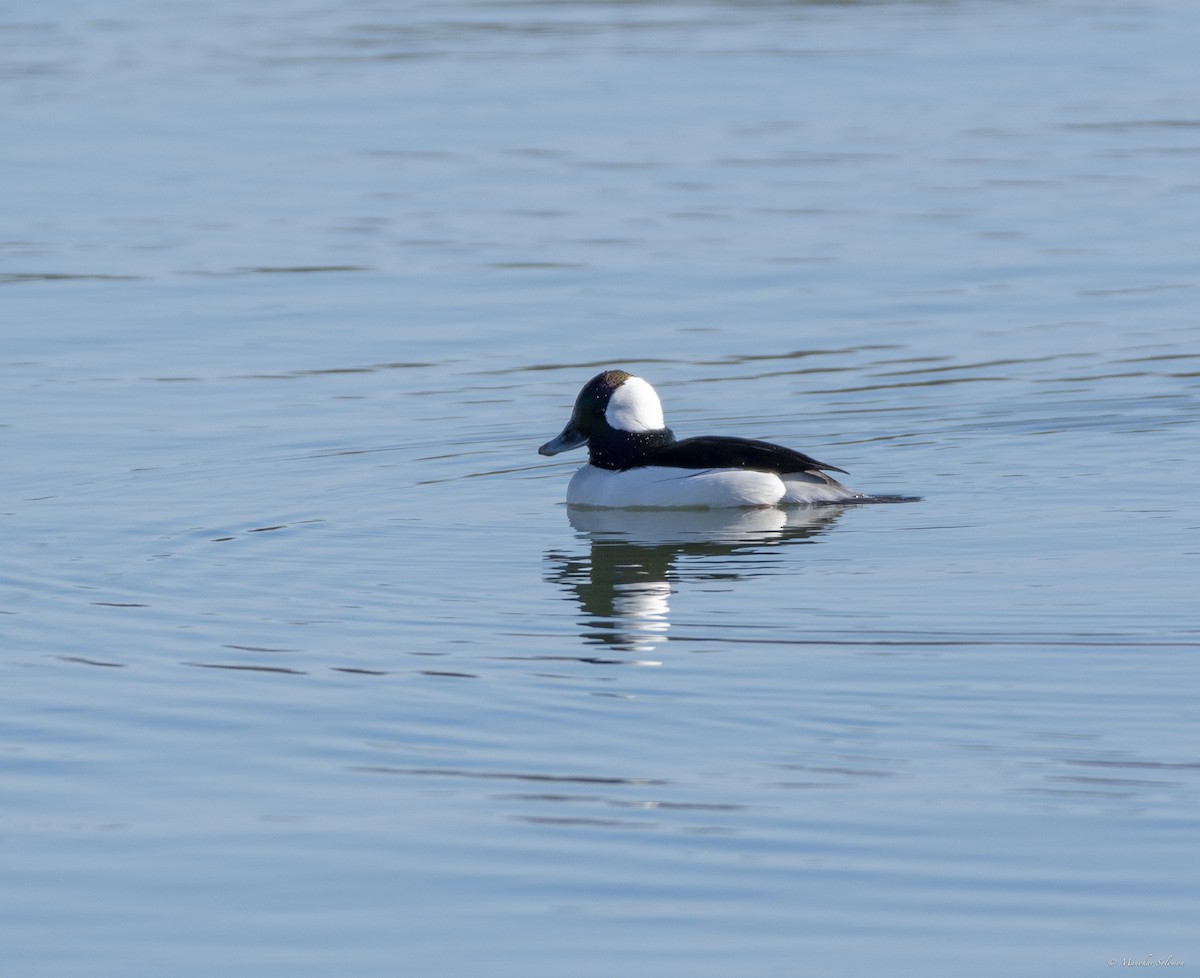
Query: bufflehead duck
x=635 y=461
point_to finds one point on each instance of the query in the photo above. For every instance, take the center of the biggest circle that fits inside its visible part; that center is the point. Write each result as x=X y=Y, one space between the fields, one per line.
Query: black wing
x=723 y=452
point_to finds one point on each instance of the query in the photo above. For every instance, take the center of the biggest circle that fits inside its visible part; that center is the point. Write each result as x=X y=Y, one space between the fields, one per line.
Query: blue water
x=308 y=671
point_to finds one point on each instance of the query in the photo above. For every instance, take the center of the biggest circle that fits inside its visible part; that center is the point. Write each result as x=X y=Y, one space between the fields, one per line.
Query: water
x=308 y=671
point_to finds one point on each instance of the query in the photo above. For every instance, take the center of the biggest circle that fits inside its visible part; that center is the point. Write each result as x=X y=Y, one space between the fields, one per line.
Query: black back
x=725 y=452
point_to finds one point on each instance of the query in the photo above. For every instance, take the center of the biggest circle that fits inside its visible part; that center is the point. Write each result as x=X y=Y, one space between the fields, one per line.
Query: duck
x=636 y=462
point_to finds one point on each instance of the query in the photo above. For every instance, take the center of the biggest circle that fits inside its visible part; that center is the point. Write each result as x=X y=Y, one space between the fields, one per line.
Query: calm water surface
x=307 y=670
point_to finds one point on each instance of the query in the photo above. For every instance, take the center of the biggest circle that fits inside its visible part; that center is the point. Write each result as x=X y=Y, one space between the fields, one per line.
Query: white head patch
x=635 y=407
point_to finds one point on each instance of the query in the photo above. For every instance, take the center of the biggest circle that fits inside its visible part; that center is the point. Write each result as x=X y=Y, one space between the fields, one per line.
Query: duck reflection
x=635 y=560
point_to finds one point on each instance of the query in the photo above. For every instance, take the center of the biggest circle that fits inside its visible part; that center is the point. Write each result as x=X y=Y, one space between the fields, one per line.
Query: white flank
x=669 y=488
x=635 y=407
x=658 y=487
